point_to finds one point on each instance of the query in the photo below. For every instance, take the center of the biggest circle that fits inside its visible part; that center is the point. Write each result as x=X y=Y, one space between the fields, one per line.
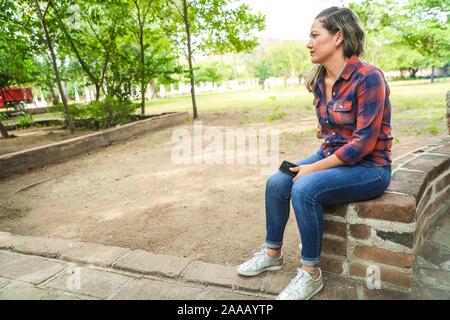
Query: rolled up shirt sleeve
x=371 y=93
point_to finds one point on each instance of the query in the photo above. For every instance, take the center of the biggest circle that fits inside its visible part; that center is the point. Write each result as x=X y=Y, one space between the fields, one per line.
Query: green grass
x=418 y=106
x=298 y=137
x=247 y=100
x=405 y=95
x=276 y=115
x=36 y=117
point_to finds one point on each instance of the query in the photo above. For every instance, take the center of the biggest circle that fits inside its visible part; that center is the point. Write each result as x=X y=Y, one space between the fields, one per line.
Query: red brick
x=358 y=270
x=399 y=259
x=336 y=247
x=335 y=228
x=335 y=209
x=330 y=264
x=387 y=275
x=360 y=231
x=391 y=207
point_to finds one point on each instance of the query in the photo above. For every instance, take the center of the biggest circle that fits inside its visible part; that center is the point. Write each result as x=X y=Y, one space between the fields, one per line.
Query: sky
x=289 y=19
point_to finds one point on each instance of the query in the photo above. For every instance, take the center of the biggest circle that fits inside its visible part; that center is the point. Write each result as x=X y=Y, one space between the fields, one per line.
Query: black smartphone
x=285 y=168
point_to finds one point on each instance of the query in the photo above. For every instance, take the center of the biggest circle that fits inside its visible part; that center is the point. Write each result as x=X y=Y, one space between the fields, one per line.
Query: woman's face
x=322 y=44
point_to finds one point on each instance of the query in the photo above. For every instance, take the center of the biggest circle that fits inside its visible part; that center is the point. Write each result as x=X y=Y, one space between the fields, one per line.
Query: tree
x=215 y=27
x=42 y=15
x=17 y=58
x=155 y=57
x=4 y=79
x=214 y=72
x=143 y=15
x=263 y=71
x=289 y=59
x=409 y=36
x=92 y=40
x=426 y=30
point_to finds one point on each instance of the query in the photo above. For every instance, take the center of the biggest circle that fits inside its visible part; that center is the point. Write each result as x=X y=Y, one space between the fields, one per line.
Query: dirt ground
x=34 y=137
x=131 y=195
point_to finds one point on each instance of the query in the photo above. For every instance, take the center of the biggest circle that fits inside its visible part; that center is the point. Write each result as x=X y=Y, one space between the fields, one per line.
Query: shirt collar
x=351 y=65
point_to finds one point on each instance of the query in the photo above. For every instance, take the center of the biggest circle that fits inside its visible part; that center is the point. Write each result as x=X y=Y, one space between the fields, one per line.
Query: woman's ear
x=339 y=38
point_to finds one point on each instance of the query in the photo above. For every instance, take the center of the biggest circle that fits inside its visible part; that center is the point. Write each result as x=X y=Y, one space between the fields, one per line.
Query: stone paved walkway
x=45 y=268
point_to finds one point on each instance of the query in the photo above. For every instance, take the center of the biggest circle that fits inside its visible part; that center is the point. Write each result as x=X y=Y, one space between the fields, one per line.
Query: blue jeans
x=336 y=185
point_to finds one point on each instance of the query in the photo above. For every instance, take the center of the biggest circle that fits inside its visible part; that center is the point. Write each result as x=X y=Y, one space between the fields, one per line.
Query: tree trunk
x=141 y=22
x=55 y=66
x=191 y=69
x=432 y=74
x=55 y=99
x=83 y=64
x=142 y=57
x=97 y=91
x=3 y=131
x=102 y=80
x=412 y=72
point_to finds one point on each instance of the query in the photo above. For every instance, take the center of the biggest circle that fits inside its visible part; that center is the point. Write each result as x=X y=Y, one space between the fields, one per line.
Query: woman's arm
x=371 y=99
x=326 y=163
x=371 y=95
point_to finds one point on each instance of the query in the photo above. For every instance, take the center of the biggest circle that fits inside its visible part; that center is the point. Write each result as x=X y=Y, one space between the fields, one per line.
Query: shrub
x=111 y=112
x=433 y=129
x=276 y=115
x=102 y=114
x=25 y=121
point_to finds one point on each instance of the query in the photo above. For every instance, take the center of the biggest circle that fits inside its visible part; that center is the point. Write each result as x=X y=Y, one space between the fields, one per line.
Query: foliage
x=102 y=114
x=111 y=112
x=25 y=121
x=3 y=116
x=215 y=72
x=406 y=36
x=276 y=115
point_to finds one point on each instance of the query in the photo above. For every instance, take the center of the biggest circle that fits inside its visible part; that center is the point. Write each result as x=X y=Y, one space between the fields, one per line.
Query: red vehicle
x=15 y=97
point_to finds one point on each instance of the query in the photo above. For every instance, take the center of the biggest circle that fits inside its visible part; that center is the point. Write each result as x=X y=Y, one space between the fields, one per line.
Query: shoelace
x=297 y=278
x=257 y=255
x=262 y=250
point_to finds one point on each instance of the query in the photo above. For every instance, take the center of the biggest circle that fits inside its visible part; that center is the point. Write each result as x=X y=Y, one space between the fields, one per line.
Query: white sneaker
x=302 y=287
x=260 y=262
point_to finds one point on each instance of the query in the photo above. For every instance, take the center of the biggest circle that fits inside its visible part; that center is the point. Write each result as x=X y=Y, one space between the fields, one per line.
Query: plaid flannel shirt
x=356 y=122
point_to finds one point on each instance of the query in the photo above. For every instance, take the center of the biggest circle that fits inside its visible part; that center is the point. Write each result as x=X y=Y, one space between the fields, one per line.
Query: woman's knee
x=302 y=190
x=279 y=184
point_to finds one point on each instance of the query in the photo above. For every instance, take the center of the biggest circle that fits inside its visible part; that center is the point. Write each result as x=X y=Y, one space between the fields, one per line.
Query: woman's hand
x=303 y=170
x=319 y=134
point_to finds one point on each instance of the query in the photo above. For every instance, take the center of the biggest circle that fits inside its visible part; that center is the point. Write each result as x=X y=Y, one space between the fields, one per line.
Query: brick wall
x=22 y=161
x=386 y=232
